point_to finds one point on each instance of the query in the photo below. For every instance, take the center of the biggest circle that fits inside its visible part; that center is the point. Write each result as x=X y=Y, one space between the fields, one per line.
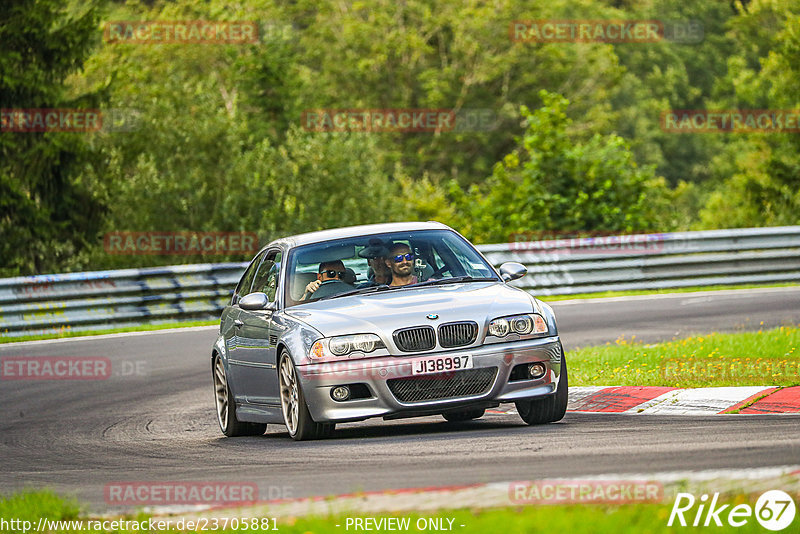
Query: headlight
x=499 y=327
x=527 y=324
x=339 y=346
x=522 y=324
x=333 y=347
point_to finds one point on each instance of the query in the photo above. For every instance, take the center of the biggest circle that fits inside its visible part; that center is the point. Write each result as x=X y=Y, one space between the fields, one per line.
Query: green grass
x=138 y=328
x=693 y=289
x=31 y=505
x=763 y=358
x=575 y=519
x=751 y=402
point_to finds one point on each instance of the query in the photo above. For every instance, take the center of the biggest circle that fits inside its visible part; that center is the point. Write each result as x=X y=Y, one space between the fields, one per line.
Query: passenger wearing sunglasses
x=401 y=262
x=328 y=271
x=375 y=253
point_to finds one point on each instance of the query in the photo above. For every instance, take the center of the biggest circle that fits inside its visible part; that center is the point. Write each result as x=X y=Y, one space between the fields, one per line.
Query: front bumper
x=317 y=380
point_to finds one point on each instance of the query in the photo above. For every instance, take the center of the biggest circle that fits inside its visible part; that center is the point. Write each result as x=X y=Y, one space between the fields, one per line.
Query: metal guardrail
x=654 y=261
x=33 y=305
x=108 y=299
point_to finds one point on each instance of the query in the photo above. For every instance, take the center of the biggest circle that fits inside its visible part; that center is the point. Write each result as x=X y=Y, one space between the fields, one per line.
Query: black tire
x=296 y=416
x=551 y=408
x=325 y=430
x=226 y=405
x=466 y=415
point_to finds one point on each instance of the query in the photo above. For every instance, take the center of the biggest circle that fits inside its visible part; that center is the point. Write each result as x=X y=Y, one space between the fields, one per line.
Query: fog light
x=340 y=393
x=536 y=370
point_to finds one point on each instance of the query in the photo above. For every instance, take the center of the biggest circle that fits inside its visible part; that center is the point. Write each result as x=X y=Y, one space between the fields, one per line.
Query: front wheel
x=226 y=406
x=293 y=404
x=551 y=408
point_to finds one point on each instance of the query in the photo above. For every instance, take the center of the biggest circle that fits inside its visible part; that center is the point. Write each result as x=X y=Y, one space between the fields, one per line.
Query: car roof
x=356 y=231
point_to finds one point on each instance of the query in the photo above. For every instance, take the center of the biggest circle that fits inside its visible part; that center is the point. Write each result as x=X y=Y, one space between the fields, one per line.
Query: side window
x=247 y=278
x=266 y=279
x=438 y=261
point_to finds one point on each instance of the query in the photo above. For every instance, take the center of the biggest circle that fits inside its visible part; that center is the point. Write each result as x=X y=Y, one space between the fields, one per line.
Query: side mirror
x=512 y=270
x=254 y=301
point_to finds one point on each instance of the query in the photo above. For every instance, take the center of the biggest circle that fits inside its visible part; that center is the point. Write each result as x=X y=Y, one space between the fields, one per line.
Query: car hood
x=384 y=312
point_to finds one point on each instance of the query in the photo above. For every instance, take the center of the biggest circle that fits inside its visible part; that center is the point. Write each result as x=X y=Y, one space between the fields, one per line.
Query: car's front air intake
x=450 y=385
x=458 y=334
x=415 y=339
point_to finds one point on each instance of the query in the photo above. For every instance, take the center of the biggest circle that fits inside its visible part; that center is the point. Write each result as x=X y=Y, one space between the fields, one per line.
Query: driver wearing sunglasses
x=401 y=262
x=329 y=270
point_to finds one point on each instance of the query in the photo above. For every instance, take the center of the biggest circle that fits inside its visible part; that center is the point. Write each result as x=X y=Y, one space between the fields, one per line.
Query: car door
x=257 y=339
x=230 y=326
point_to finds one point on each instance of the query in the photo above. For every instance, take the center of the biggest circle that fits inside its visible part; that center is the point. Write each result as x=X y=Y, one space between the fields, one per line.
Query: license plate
x=441 y=364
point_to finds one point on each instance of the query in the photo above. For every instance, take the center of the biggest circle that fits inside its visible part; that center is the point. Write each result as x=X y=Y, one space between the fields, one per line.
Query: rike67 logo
x=774 y=510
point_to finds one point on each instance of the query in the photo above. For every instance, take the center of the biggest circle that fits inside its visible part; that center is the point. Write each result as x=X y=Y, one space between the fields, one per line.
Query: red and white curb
x=680 y=401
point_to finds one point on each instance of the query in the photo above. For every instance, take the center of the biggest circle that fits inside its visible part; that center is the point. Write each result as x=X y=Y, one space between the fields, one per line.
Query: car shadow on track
x=405 y=429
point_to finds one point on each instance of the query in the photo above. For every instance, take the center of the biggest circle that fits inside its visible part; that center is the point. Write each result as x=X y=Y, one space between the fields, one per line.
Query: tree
x=554 y=182
x=758 y=174
x=48 y=212
x=450 y=55
x=216 y=144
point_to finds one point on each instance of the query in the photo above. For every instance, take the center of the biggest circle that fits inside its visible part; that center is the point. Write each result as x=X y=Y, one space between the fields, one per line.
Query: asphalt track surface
x=156 y=422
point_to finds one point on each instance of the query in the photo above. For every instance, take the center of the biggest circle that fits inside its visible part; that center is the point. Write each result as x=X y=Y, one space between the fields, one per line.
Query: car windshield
x=378 y=262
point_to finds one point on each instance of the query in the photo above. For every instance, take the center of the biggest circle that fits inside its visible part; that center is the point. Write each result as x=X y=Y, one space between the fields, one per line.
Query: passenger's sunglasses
x=333 y=274
x=399 y=257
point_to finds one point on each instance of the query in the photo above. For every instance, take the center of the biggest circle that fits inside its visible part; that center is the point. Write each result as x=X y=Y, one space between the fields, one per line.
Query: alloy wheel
x=221 y=393
x=290 y=402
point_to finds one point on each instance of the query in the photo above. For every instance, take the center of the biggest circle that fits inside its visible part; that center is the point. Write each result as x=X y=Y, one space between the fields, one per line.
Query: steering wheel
x=439 y=271
x=330 y=287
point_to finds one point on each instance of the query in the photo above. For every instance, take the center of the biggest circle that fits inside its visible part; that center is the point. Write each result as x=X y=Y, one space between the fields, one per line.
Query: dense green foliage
x=560 y=183
x=213 y=138
x=48 y=212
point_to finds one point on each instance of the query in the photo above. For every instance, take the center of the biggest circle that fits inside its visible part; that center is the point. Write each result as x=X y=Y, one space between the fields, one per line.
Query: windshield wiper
x=361 y=291
x=454 y=280
x=384 y=287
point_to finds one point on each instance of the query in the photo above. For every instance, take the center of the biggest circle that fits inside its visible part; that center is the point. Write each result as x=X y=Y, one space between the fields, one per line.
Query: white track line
x=686 y=295
x=110 y=336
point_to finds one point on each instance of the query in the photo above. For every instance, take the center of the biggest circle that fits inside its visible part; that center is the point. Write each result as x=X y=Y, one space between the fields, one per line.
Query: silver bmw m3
x=389 y=320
